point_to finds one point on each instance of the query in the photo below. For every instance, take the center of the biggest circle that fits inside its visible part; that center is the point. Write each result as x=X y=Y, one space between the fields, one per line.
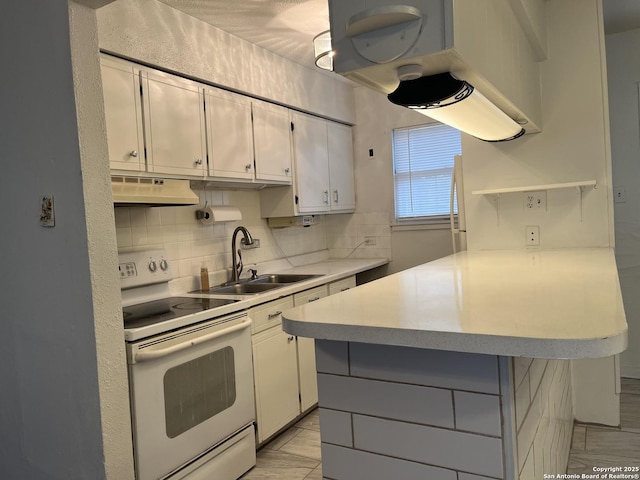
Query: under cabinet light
x=456 y=103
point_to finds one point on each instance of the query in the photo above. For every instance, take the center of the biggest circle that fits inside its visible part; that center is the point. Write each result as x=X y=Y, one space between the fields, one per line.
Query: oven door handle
x=154 y=354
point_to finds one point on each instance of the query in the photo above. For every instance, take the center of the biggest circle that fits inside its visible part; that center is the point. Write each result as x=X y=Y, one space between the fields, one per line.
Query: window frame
x=424 y=221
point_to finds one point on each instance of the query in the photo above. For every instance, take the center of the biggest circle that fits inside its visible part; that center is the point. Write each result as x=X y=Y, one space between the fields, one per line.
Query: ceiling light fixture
x=454 y=102
x=322 y=50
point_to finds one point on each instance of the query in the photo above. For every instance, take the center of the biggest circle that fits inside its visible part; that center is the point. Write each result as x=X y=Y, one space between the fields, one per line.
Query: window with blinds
x=423 y=165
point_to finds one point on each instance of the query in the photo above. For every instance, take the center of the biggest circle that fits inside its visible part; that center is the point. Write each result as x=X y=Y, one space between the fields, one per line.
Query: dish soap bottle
x=204 y=278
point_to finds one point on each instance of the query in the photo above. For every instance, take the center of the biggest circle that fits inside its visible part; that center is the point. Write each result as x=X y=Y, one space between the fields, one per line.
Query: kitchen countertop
x=329 y=270
x=563 y=304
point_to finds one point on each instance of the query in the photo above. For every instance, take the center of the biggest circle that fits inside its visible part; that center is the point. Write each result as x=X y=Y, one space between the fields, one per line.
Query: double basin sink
x=260 y=284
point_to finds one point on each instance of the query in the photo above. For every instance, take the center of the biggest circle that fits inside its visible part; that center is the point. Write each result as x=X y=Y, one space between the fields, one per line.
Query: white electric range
x=190 y=376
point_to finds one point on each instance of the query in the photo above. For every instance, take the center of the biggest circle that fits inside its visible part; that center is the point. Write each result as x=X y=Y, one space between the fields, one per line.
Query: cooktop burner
x=149 y=313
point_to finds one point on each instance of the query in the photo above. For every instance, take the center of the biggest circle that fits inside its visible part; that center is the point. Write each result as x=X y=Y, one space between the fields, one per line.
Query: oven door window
x=198 y=390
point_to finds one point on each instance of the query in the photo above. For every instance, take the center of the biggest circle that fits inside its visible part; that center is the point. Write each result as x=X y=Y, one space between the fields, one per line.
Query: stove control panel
x=138 y=269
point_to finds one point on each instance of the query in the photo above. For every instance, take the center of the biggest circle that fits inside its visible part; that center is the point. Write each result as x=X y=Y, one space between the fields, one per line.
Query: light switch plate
x=47 y=212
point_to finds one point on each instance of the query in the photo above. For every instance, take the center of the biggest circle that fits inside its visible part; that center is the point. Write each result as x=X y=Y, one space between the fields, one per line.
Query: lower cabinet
x=307 y=376
x=275 y=373
x=284 y=366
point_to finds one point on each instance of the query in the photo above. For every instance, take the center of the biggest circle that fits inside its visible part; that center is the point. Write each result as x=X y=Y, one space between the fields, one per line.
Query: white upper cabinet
x=323 y=171
x=272 y=142
x=175 y=125
x=312 y=163
x=229 y=135
x=123 y=114
x=341 y=179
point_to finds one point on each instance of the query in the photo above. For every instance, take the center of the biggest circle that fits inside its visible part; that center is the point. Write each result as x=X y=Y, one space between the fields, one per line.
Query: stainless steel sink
x=260 y=284
x=244 y=288
x=282 y=278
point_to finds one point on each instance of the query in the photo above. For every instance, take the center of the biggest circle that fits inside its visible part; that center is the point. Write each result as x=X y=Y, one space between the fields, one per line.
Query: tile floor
x=292 y=455
x=295 y=453
x=610 y=447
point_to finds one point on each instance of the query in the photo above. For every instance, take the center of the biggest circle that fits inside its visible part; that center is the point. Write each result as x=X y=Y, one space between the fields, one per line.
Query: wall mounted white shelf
x=534 y=188
x=580 y=186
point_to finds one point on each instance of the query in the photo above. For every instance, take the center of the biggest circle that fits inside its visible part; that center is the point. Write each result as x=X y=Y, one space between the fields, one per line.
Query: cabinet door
x=276 y=380
x=307 y=353
x=229 y=135
x=174 y=119
x=272 y=143
x=343 y=196
x=123 y=115
x=311 y=163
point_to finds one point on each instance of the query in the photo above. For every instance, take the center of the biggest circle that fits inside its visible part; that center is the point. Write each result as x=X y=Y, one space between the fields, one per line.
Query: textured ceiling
x=285 y=27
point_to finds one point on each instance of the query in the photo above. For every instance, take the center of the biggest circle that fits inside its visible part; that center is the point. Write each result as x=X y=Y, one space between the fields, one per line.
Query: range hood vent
x=151 y=192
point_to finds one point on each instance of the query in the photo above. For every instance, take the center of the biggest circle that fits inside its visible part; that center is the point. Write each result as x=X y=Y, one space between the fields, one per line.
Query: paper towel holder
x=216 y=214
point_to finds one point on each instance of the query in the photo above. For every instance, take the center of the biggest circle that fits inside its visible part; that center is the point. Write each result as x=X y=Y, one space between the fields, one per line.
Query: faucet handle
x=254 y=273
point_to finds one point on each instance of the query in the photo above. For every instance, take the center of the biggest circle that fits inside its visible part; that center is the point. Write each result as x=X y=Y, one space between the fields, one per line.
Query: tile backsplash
x=190 y=244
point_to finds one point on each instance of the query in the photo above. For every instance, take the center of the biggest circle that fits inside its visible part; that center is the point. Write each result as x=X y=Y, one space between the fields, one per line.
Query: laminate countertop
x=561 y=304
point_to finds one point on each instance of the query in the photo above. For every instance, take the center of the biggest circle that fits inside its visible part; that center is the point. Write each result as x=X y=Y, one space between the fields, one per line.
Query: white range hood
x=139 y=191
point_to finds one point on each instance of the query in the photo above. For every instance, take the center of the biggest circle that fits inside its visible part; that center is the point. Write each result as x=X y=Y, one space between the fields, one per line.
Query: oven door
x=190 y=389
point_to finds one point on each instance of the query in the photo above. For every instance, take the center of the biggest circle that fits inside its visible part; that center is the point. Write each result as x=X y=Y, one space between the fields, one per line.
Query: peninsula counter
x=457 y=369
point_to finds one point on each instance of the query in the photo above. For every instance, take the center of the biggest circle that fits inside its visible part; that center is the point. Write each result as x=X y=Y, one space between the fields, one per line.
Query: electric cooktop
x=150 y=313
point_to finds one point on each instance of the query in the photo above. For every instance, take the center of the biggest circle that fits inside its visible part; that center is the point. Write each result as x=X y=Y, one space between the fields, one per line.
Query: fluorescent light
x=456 y=103
x=323 y=51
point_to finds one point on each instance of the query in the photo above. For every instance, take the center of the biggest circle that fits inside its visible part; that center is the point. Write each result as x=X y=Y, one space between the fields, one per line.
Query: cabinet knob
x=326 y=196
x=335 y=196
x=287 y=170
x=198 y=161
x=290 y=339
x=247 y=167
x=133 y=153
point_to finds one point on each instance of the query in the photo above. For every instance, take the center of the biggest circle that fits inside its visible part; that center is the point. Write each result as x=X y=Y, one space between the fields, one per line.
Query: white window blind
x=423 y=165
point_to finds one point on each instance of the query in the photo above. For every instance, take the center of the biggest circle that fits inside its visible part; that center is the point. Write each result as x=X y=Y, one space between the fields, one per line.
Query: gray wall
x=49 y=411
x=623 y=67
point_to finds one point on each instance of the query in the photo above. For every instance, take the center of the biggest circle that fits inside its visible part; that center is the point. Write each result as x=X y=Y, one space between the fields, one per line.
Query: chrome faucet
x=247 y=239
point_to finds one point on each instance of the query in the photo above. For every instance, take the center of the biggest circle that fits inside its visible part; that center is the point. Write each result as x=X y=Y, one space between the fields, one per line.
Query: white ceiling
x=284 y=27
x=287 y=27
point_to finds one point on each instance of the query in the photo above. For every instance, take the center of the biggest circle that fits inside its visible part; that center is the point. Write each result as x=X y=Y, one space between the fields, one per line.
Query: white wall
x=105 y=285
x=572 y=146
x=376 y=118
x=623 y=67
x=50 y=405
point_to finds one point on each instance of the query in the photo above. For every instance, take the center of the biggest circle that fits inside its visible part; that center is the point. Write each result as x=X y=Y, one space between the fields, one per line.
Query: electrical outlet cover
x=535 y=201
x=532 y=235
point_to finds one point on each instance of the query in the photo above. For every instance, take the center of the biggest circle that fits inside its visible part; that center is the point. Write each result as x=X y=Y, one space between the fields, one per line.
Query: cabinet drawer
x=342 y=285
x=269 y=314
x=310 y=295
